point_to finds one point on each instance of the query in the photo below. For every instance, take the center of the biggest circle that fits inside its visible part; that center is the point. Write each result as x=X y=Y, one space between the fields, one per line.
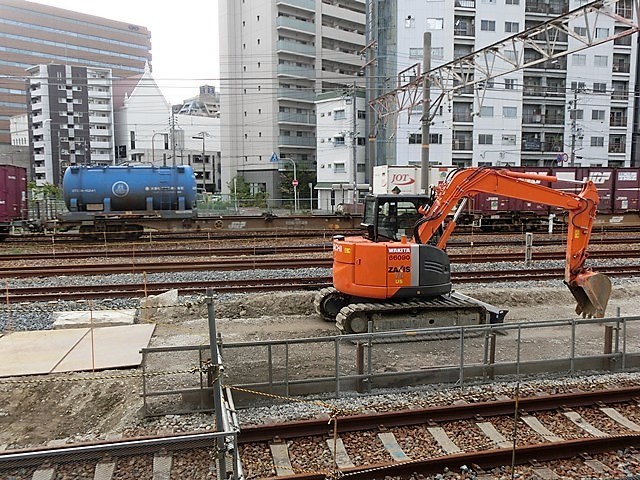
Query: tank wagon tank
x=119 y=199
x=129 y=188
x=13 y=197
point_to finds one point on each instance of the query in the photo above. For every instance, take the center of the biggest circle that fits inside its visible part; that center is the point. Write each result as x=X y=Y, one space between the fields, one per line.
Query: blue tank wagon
x=124 y=199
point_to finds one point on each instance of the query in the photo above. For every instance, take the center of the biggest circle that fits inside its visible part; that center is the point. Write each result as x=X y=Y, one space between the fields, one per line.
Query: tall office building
x=33 y=34
x=275 y=55
x=573 y=109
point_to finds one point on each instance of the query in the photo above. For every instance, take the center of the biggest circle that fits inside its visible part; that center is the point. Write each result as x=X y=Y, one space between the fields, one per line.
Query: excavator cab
x=388 y=217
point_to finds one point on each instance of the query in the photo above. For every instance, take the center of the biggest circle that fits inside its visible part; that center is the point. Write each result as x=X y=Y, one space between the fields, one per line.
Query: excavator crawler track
x=446 y=310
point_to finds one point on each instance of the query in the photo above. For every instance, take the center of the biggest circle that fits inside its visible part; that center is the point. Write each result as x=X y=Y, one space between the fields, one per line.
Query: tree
x=241 y=191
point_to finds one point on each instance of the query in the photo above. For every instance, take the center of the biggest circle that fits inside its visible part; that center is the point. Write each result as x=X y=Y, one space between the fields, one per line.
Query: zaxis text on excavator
x=399 y=266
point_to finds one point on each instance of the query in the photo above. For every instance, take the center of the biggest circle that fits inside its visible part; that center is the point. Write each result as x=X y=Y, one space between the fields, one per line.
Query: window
x=577 y=86
x=339 y=168
x=361 y=141
x=435 y=138
x=409 y=22
x=338 y=140
x=600 y=60
x=132 y=139
x=437 y=52
x=486 y=111
x=576 y=114
x=415 y=52
x=597 y=115
x=485 y=139
x=362 y=114
x=602 y=32
x=511 y=27
x=415 y=138
x=599 y=87
x=512 y=2
x=509 y=83
x=339 y=115
x=509 y=112
x=488 y=25
x=508 y=139
x=582 y=31
x=435 y=23
x=578 y=60
x=597 y=141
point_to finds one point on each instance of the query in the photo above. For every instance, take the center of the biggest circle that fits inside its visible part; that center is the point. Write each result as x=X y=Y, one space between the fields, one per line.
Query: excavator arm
x=591 y=290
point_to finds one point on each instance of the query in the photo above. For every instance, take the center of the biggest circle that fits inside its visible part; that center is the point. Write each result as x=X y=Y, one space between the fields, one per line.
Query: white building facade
x=575 y=110
x=340 y=149
x=147 y=131
x=275 y=55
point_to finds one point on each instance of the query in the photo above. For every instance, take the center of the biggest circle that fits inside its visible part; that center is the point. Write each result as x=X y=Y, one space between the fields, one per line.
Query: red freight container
x=13 y=193
x=627 y=191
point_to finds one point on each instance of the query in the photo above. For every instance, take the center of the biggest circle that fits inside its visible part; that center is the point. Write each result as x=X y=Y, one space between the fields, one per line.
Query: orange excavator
x=399 y=268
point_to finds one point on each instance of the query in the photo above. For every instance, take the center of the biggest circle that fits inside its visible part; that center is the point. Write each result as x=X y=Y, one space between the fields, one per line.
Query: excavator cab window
x=388 y=217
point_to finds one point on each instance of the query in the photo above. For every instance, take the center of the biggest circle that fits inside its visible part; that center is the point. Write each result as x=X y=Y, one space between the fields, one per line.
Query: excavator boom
x=591 y=290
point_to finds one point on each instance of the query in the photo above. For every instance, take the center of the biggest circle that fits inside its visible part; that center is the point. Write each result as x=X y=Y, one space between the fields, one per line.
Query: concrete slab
x=43 y=474
x=496 y=437
x=544 y=473
x=98 y=318
x=621 y=419
x=104 y=471
x=441 y=437
x=34 y=353
x=580 y=422
x=162 y=467
x=340 y=454
x=280 y=456
x=391 y=445
x=67 y=350
x=540 y=429
x=111 y=347
x=152 y=304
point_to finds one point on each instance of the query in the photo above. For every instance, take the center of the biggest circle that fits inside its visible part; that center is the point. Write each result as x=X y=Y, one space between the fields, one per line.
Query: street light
x=202 y=136
x=294 y=183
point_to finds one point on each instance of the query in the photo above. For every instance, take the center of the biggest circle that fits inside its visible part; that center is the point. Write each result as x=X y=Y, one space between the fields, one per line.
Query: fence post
x=359 y=367
x=216 y=365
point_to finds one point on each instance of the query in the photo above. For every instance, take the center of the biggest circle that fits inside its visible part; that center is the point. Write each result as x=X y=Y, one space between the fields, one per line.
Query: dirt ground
x=82 y=406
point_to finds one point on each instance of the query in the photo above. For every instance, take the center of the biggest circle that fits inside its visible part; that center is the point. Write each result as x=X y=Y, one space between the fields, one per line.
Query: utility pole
x=173 y=137
x=426 y=98
x=573 y=113
x=354 y=144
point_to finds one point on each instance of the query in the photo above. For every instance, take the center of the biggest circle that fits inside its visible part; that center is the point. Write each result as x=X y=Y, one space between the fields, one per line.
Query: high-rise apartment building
x=33 y=34
x=71 y=119
x=576 y=109
x=275 y=55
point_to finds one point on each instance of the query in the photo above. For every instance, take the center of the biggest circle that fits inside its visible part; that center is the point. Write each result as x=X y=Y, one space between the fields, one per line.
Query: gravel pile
x=38 y=315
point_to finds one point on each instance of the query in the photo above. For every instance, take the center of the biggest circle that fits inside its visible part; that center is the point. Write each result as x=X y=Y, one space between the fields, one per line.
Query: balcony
x=462 y=144
x=464 y=29
x=99 y=120
x=464 y=117
x=99 y=107
x=621 y=67
x=299 y=118
x=618 y=122
x=532 y=118
x=620 y=96
x=531 y=145
x=298 y=94
x=465 y=3
x=342 y=57
x=546 y=7
x=551 y=119
x=295 y=24
x=616 y=148
x=296 y=71
x=295 y=47
x=100 y=132
x=303 y=4
x=343 y=35
x=289 y=141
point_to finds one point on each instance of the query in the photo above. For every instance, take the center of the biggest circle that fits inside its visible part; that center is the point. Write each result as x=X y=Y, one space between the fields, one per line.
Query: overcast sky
x=184 y=38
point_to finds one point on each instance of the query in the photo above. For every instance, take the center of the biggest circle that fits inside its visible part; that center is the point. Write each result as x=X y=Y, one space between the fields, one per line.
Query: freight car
x=13 y=197
x=121 y=199
x=618 y=188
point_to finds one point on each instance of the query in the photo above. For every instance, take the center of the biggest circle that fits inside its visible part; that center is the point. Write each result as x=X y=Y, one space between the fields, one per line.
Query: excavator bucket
x=592 y=291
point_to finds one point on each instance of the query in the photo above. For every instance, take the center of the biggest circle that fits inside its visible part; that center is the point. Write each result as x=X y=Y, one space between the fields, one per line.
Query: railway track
x=130 y=290
x=576 y=427
x=259 y=259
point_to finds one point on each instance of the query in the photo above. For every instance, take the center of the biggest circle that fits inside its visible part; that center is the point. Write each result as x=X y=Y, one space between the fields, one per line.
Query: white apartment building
x=576 y=107
x=275 y=55
x=340 y=148
x=71 y=117
x=145 y=127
